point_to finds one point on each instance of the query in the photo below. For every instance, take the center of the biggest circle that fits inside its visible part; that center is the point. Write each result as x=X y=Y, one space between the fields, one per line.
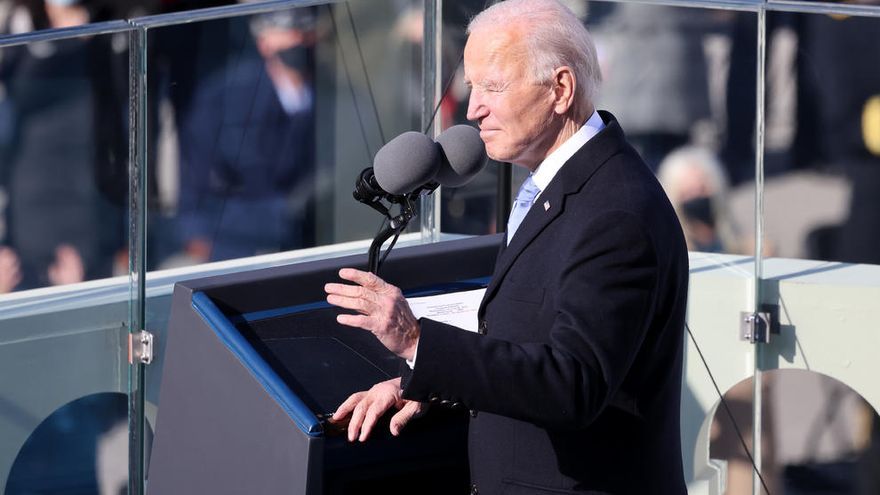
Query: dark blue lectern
x=254 y=361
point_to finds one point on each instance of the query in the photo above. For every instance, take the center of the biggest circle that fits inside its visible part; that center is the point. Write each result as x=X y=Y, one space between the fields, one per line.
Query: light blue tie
x=528 y=191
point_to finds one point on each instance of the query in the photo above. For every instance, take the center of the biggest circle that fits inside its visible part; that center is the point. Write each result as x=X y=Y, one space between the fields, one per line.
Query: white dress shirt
x=554 y=161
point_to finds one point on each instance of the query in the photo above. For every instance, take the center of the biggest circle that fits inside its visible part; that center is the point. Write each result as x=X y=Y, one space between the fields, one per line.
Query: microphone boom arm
x=396 y=224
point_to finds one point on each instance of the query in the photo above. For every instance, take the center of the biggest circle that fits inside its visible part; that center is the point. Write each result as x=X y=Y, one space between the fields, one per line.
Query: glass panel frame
x=137 y=253
x=89 y=318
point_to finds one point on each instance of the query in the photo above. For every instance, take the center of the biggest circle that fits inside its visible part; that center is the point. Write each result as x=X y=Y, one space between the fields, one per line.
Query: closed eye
x=492 y=86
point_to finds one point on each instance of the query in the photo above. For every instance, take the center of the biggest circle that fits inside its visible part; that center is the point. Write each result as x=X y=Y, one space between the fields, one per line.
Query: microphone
x=462 y=155
x=406 y=163
x=367 y=190
x=401 y=166
x=412 y=162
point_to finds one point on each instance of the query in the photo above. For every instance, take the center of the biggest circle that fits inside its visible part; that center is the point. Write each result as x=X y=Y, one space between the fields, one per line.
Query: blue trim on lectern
x=233 y=340
x=276 y=312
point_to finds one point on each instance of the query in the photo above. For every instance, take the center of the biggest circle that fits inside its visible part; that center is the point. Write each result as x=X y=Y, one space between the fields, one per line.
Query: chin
x=498 y=155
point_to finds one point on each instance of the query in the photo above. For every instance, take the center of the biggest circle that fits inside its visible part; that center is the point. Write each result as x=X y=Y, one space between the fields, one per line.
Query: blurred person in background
x=840 y=125
x=695 y=182
x=839 y=131
x=656 y=72
x=49 y=106
x=247 y=146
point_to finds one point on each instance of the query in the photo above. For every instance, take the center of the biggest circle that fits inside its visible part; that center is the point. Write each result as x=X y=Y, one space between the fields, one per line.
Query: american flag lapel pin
x=546 y=205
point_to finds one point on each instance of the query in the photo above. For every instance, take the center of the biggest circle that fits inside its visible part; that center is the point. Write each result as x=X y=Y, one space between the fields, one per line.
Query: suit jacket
x=574 y=379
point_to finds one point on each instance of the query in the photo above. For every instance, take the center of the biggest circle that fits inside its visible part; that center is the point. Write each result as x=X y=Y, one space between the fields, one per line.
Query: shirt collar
x=554 y=161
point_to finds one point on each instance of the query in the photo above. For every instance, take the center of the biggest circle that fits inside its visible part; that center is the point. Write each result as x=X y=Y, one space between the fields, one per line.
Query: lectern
x=254 y=361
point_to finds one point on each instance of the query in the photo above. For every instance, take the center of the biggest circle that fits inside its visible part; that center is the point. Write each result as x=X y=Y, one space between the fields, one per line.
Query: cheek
x=533 y=113
x=531 y=125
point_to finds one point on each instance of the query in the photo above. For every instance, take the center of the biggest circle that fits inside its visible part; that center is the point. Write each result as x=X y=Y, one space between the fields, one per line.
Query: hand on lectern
x=365 y=408
x=382 y=307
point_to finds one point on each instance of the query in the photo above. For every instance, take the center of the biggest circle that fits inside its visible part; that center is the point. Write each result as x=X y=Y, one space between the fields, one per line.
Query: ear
x=564 y=85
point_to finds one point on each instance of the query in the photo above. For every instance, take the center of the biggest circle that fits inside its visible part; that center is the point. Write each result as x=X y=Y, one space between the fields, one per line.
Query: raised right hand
x=367 y=407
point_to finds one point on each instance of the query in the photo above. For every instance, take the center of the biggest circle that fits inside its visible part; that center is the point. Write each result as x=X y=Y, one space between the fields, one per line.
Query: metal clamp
x=754 y=327
x=758 y=326
x=140 y=347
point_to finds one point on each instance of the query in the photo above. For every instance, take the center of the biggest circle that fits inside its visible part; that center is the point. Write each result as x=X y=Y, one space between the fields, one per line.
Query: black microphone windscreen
x=406 y=162
x=463 y=155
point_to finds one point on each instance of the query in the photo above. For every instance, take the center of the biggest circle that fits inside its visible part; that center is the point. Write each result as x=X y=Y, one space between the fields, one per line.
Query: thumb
x=410 y=410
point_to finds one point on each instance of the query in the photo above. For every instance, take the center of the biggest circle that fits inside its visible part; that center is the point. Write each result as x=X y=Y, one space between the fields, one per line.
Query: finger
x=359 y=305
x=358 y=321
x=403 y=417
x=345 y=290
x=357 y=419
x=348 y=406
x=372 y=415
x=367 y=279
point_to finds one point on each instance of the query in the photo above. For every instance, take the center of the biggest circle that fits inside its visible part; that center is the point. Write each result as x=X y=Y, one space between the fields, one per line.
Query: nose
x=477 y=108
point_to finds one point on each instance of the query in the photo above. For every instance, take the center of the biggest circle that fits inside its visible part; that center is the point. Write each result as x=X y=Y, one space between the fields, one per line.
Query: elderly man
x=575 y=375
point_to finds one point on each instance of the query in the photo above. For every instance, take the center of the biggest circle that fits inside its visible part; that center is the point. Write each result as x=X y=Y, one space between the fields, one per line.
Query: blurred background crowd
x=237 y=115
x=231 y=138
x=254 y=125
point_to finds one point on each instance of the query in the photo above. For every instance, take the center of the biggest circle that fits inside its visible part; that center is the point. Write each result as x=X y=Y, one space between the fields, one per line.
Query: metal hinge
x=757 y=327
x=140 y=347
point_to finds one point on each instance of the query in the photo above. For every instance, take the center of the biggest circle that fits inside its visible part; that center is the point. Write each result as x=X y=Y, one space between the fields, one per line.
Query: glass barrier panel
x=63 y=391
x=63 y=200
x=817 y=431
x=63 y=161
x=678 y=79
x=820 y=194
x=471 y=208
x=823 y=105
x=63 y=194
x=681 y=82
x=259 y=126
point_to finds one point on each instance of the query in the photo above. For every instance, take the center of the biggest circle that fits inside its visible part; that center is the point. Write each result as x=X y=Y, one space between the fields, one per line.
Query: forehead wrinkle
x=503 y=54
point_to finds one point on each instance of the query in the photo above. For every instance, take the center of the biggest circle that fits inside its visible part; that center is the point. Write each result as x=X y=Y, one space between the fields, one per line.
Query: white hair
x=555 y=37
x=681 y=162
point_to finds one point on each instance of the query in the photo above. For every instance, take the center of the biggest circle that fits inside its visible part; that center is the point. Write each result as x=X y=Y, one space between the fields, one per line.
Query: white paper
x=455 y=308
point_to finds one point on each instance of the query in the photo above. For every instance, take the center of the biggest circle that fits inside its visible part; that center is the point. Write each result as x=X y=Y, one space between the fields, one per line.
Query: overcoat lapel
x=551 y=202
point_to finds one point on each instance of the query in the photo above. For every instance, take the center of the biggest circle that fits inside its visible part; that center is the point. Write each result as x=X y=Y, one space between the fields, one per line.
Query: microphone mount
x=368 y=192
x=393 y=227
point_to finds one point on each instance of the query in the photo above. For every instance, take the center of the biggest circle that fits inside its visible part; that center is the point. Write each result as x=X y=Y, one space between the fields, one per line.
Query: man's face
x=515 y=115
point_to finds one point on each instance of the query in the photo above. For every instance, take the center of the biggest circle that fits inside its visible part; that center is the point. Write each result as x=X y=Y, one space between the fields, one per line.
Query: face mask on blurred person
x=699 y=210
x=296 y=57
